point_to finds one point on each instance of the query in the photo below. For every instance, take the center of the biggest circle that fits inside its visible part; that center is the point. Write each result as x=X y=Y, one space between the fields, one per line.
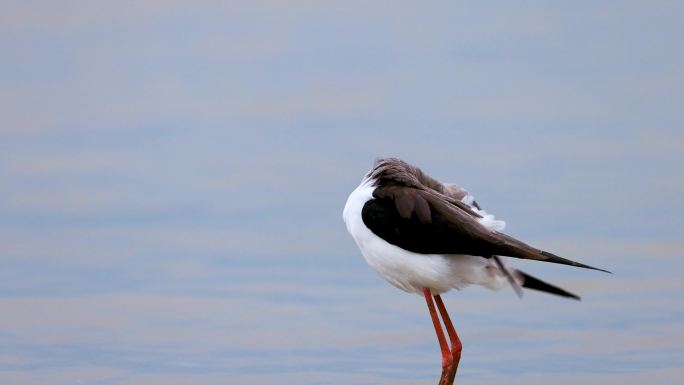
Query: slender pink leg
x=456 y=346
x=448 y=367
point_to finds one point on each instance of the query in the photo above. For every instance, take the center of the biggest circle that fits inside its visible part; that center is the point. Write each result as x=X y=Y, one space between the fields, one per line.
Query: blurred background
x=172 y=178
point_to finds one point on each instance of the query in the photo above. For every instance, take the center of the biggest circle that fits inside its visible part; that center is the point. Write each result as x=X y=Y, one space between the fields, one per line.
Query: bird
x=428 y=237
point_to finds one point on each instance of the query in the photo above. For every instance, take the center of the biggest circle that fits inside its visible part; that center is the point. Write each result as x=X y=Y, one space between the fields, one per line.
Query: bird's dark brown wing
x=426 y=222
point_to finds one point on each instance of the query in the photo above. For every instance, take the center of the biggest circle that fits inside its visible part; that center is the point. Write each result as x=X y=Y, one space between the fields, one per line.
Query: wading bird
x=428 y=237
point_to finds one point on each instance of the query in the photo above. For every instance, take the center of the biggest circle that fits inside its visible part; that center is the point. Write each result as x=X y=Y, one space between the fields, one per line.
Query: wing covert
x=426 y=222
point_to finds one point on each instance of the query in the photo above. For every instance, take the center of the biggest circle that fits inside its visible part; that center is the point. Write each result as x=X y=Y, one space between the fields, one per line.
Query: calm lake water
x=172 y=179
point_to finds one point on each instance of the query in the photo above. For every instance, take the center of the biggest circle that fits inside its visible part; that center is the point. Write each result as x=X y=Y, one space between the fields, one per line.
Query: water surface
x=172 y=179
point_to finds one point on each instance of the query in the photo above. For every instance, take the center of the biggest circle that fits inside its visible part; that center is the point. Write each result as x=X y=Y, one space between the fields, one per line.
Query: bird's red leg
x=456 y=346
x=448 y=368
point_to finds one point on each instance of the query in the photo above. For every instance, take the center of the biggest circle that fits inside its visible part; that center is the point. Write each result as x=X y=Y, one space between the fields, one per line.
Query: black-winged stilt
x=428 y=237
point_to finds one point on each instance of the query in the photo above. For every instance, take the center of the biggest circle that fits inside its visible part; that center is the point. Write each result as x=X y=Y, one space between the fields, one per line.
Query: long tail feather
x=533 y=283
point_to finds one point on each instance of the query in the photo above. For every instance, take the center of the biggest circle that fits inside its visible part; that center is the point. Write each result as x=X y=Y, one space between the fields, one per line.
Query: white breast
x=410 y=271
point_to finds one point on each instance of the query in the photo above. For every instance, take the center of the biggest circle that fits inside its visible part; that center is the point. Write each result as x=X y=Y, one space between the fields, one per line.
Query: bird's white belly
x=409 y=271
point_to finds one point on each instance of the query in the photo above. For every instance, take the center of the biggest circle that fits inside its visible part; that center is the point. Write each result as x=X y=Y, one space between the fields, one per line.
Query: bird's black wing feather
x=426 y=222
x=409 y=218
